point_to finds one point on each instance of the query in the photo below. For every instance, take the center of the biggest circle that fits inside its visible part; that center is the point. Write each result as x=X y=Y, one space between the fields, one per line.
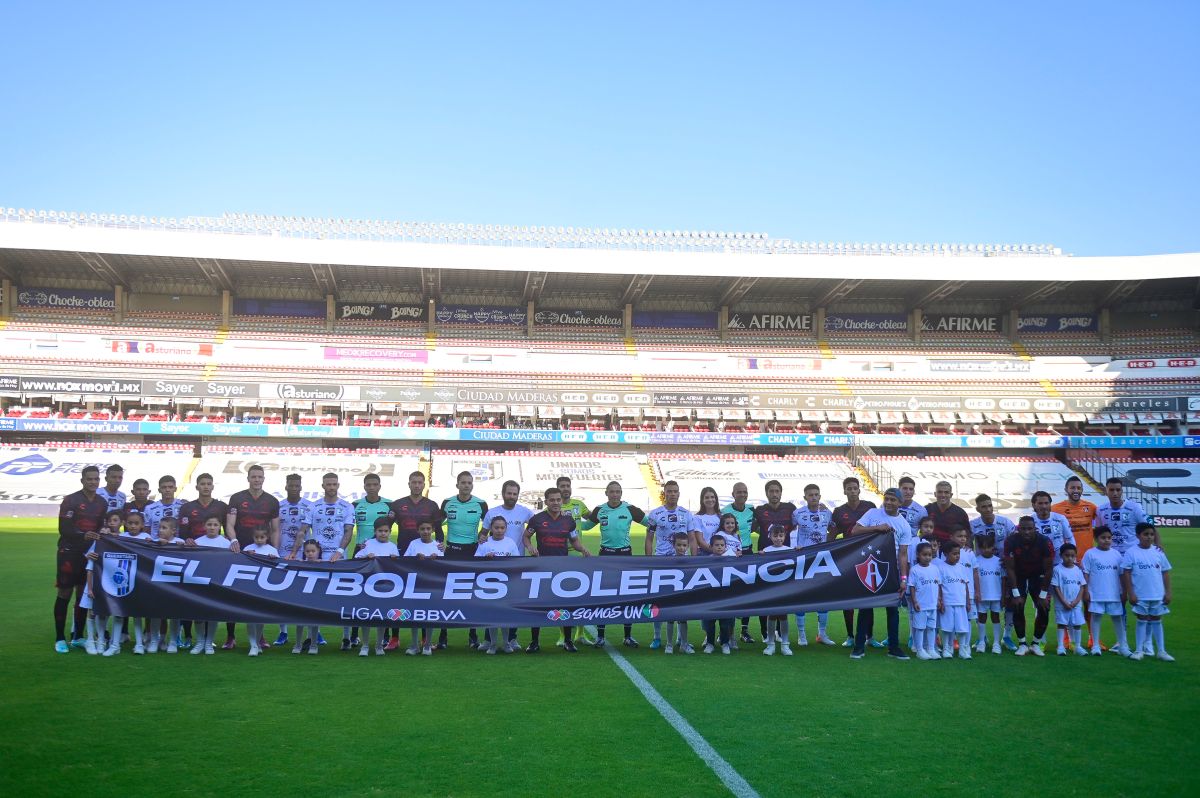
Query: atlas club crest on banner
x=872 y=573
x=118 y=573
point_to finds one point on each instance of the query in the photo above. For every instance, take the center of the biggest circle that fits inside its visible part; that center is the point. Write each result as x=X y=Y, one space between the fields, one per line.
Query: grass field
x=460 y=723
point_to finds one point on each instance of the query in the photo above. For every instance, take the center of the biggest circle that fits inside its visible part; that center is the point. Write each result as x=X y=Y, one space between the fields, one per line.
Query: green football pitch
x=461 y=723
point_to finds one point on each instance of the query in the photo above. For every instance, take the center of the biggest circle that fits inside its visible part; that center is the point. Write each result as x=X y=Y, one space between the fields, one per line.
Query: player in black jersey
x=80 y=517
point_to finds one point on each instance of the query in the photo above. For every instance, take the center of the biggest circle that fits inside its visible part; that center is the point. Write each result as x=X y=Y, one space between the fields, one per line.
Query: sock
x=997 y=632
x=822 y=623
x=60 y=618
x=1094 y=629
x=964 y=641
x=79 y=620
x=229 y=630
x=89 y=628
x=683 y=634
x=628 y=630
x=535 y=635
x=172 y=630
x=1076 y=633
x=1122 y=632
x=100 y=624
x=137 y=631
x=658 y=630
x=784 y=634
x=1139 y=635
x=115 y=637
x=1156 y=629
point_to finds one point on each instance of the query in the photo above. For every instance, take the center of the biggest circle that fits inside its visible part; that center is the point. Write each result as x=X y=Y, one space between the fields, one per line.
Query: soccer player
x=111 y=492
x=777 y=625
x=925 y=597
x=1102 y=567
x=464 y=518
x=497 y=544
x=248 y=510
x=912 y=511
x=1080 y=514
x=1070 y=592
x=261 y=546
x=366 y=510
x=331 y=524
x=1121 y=516
x=1054 y=526
x=945 y=514
x=585 y=634
x=194 y=514
x=708 y=520
x=139 y=499
x=409 y=513
x=615 y=519
x=957 y=584
x=662 y=524
x=844 y=518
x=885 y=519
x=167 y=505
x=745 y=520
x=80 y=517
x=294 y=512
x=720 y=548
x=989 y=593
x=775 y=513
x=1029 y=565
x=422 y=548
x=1145 y=572
x=812 y=524
x=376 y=546
x=555 y=530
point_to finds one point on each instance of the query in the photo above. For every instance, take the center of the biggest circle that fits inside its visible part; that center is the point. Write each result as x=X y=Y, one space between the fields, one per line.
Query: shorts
x=988 y=605
x=1152 y=607
x=460 y=551
x=1029 y=585
x=925 y=619
x=1106 y=608
x=1066 y=617
x=954 y=620
x=85 y=601
x=71 y=568
x=627 y=551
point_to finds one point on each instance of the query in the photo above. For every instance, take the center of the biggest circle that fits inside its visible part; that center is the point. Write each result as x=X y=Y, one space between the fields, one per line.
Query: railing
x=864 y=457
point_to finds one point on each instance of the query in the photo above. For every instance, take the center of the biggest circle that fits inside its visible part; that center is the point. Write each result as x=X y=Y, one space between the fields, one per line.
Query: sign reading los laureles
x=799 y=322
x=943 y=322
x=578 y=318
x=380 y=311
x=66 y=299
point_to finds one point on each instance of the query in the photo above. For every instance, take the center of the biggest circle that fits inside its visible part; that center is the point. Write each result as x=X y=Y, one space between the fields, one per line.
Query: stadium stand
x=695 y=473
x=229 y=465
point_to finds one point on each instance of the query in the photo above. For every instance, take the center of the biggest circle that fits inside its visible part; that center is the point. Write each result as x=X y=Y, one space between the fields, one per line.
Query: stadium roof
x=335 y=256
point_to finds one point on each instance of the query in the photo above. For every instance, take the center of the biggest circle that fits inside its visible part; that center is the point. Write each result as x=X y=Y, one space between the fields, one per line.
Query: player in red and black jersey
x=140 y=498
x=776 y=513
x=249 y=510
x=409 y=512
x=845 y=518
x=193 y=514
x=555 y=531
x=80 y=517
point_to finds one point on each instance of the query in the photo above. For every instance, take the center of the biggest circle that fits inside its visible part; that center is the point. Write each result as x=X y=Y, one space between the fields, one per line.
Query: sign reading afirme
x=775 y=322
x=944 y=322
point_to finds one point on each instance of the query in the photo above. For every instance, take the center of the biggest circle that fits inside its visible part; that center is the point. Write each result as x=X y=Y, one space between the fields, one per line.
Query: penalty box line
x=708 y=755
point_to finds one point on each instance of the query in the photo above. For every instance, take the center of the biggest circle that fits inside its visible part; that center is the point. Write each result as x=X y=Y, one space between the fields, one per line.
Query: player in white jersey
x=1145 y=572
x=662 y=524
x=111 y=491
x=912 y=511
x=998 y=527
x=989 y=581
x=262 y=547
x=1070 y=592
x=1122 y=516
x=812 y=524
x=330 y=521
x=958 y=584
x=294 y=512
x=1051 y=524
x=925 y=599
x=167 y=506
x=1102 y=567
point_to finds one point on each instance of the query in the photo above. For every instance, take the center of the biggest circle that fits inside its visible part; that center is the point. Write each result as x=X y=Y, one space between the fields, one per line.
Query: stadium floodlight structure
x=540 y=236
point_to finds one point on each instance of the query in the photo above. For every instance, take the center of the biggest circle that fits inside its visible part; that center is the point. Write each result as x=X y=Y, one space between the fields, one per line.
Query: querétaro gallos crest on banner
x=218 y=585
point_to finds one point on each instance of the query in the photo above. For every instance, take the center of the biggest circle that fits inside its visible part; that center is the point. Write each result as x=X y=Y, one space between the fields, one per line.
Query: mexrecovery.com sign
x=215 y=584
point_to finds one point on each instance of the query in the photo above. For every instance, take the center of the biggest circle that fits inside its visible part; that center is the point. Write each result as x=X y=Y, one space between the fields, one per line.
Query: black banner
x=381 y=311
x=139 y=579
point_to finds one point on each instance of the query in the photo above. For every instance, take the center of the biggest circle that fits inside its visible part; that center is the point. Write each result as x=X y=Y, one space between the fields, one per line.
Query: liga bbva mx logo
x=118 y=573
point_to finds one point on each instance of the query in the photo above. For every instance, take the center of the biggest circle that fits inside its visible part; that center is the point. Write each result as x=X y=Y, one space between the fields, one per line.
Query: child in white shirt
x=312 y=553
x=677 y=631
x=378 y=546
x=957 y=584
x=1145 y=572
x=422 y=548
x=262 y=547
x=135 y=528
x=1070 y=591
x=719 y=546
x=168 y=529
x=777 y=625
x=1102 y=567
x=497 y=545
x=989 y=575
x=925 y=600
x=213 y=539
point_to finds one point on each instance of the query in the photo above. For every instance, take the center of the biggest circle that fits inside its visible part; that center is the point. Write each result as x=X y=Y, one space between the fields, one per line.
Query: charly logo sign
x=118 y=573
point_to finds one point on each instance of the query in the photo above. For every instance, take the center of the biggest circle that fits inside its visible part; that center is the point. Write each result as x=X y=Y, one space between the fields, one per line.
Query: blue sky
x=1072 y=123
